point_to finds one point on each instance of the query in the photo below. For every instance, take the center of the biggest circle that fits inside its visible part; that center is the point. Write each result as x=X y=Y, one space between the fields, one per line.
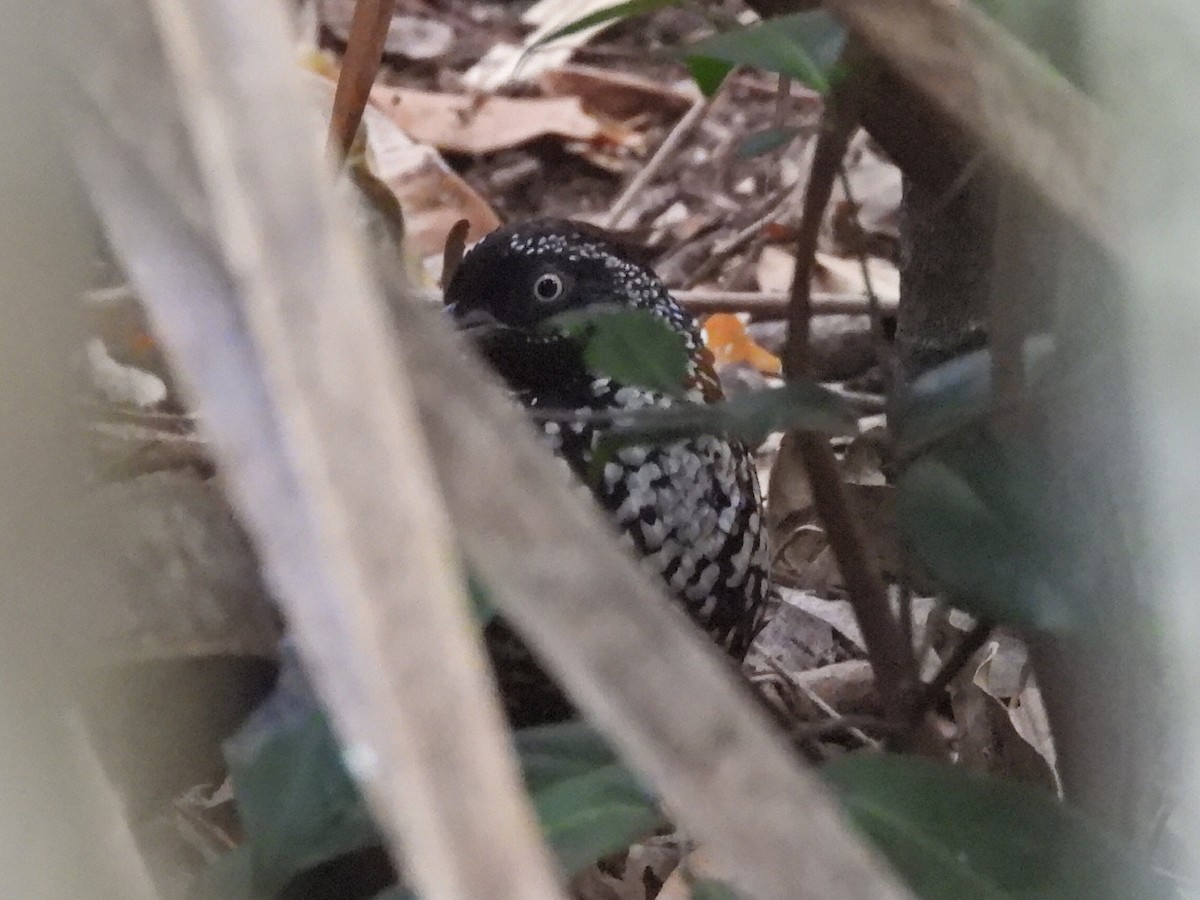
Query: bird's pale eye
x=548 y=287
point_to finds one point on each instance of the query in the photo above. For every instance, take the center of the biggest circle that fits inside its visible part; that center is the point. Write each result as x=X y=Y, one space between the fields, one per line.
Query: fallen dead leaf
x=432 y=196
x=841 y=274
x=988 y=740
x=726 y=336
x=616 y=94
x=835 y=274
x=507 y=64
x=875 y=185
x=480 y=125
x=1005 y=675
x=837 y=614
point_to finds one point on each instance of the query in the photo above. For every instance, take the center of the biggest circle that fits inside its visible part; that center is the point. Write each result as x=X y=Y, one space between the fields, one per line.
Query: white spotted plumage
x=690 y=508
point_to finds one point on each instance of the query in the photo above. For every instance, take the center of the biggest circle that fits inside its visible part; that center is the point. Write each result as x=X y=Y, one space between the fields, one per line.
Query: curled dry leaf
x=507 y=64
x=432 y=196
x=875 y=188
x=479 y=124
x=727 y=338
x=1004 y=674
x=121 y=383
x=456 y=246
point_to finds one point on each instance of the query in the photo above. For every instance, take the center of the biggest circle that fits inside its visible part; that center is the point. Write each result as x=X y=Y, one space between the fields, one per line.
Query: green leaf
x=708 y=889
x=481 y=603
x=953 y=833
x=608 y=14
x=396 y=893
x=969 y=511
x=228 y=877
x=296 y=801
x=750 y=417
x=709 y=74
x=300 y=807
x=588 y=803
x=804 y=46
x=955 y=395
x=631 y=346
x=765 y=141
x=589 y=816
x=553 y=753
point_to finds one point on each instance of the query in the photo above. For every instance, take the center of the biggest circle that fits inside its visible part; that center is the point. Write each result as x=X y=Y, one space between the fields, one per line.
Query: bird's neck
x=552 y=372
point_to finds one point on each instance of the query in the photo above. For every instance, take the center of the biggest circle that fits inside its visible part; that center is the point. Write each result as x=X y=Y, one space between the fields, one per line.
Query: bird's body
x=691 y=508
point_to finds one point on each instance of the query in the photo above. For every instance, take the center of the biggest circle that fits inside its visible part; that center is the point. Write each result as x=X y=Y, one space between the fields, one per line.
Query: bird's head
x=522 y=276
x=512 y=287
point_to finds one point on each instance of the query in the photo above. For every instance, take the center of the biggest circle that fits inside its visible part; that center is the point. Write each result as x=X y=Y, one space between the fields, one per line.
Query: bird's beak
x=474 y=323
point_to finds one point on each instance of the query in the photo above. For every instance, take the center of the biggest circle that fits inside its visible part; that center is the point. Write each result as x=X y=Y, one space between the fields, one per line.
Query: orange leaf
x=727 y=338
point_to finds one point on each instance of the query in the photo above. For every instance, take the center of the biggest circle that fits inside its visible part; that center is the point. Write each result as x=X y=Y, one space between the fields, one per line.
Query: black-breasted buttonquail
x=691 y=508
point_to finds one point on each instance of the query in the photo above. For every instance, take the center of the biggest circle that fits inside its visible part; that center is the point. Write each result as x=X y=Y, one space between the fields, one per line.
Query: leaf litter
x=467 y=123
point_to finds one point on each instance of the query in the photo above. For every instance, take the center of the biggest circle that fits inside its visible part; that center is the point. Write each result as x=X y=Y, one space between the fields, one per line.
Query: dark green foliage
x=608 y=14
x=955 y=395
x=953 y=833
x=750 y=417
x=300 y=808
x=707 y=889
x=709 y=74
x=970 y=511
x=761 y=142
x=804 y=46
x=631 y=346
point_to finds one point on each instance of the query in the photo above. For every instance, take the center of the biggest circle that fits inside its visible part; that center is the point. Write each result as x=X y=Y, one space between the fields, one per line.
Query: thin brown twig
x=838 y=124
x=905 y=611
x=776 y=675
x=855 y=724
x=879 y=341
x=764 y=303
x=893 y=663
x=684 y=127
x=364 y=53
x=783 y=105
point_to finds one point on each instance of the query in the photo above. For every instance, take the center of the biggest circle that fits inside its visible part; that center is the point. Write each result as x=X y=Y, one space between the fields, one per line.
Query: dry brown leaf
x=615 y=94
x=1005 y=675
x=432 y=196
x=988 y=740
x=479 y=125
x=842 y=274
x=837 y=614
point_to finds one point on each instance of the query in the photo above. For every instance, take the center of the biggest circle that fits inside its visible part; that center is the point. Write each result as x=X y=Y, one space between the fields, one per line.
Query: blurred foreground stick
x=286 y=344
x=195 y=118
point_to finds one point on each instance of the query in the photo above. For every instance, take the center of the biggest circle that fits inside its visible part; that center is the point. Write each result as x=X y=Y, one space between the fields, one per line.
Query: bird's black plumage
x=692 y=508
